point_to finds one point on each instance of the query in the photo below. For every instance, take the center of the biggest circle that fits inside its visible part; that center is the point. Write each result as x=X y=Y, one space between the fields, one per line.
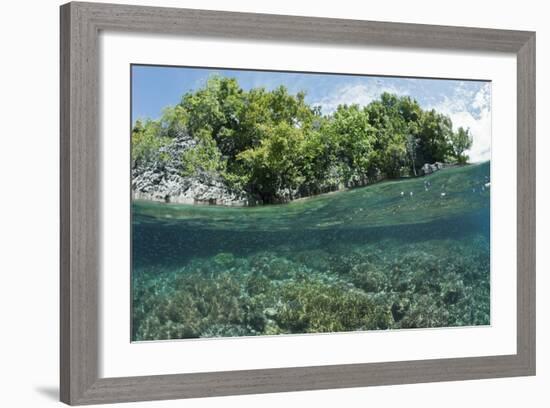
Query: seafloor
x=403 y=254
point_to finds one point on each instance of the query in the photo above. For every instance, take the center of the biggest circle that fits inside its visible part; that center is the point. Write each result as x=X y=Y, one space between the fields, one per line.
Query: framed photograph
x=261 y=203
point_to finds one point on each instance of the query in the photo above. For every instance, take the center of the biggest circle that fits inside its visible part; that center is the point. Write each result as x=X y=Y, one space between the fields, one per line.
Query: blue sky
x=468 y=103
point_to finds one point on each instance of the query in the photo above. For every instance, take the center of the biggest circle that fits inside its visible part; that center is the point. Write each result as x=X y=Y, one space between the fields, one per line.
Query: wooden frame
x=80 y=234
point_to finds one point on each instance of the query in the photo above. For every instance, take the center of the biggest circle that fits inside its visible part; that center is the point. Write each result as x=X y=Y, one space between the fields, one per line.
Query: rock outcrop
x=162 y=180
x=431 y=168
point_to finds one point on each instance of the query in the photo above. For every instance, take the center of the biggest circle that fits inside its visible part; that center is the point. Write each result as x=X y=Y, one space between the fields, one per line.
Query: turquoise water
x=403 y=254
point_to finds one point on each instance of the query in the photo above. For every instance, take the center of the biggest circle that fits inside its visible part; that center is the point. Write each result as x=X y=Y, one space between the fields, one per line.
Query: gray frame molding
x=80 y=234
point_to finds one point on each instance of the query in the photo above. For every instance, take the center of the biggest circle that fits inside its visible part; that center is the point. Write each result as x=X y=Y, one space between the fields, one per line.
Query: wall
x=29 y=181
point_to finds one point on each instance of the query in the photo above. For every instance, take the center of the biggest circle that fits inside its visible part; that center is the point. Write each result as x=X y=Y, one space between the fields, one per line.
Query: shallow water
x=407 y=253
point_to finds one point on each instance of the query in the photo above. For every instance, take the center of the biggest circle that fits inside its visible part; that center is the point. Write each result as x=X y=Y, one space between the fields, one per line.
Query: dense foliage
x=276 y=147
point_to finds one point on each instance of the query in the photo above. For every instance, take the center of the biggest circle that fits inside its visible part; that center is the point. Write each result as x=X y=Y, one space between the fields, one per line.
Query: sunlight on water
x=399 y=254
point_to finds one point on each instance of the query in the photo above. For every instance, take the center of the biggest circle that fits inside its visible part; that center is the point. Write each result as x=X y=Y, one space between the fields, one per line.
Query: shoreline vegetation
x=434 y=168
x=226 y=146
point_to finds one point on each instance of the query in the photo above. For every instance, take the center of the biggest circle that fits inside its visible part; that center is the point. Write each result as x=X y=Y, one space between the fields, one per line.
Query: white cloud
x=467 y=107
x=356 y=94
x=471 y=109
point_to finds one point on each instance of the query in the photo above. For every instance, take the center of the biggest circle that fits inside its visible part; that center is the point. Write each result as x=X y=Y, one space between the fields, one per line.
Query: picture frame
x=80 y=234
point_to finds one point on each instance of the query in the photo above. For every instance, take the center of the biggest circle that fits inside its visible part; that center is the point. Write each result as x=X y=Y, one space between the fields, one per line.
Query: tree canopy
x=276 y=146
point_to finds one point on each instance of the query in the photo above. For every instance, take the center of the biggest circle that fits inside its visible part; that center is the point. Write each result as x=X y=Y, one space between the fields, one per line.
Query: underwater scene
x=395 y=255
x=278 y=203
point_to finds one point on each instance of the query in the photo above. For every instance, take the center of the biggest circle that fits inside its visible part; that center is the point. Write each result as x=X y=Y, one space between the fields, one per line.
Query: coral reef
x=380 y=286
x=366 y=259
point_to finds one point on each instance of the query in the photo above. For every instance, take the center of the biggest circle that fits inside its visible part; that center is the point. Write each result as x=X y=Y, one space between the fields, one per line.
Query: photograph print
x=285 y=203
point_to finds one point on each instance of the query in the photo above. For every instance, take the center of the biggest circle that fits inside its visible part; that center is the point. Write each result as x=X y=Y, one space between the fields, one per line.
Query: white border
x=119 y=357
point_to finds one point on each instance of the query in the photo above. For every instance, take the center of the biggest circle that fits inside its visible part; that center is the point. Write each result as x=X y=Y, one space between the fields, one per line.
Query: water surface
x=399 y=254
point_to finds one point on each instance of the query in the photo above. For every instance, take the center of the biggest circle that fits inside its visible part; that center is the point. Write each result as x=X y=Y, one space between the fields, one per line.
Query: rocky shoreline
x=161 y=180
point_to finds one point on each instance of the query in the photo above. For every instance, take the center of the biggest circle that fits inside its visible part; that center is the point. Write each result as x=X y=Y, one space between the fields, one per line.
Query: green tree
x=318 y=162
x=412 y=146
x=147 y=141
x=461 y=140
x=435 y=131
x=204 y=157
x=351 y=141
x=216 y=108
x=391 y=130
x=273 y=168
x=174 y=121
